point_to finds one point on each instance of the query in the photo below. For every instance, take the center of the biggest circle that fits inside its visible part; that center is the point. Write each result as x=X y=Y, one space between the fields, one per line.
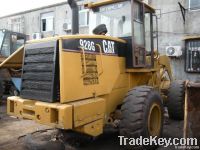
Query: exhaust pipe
x=75 y=16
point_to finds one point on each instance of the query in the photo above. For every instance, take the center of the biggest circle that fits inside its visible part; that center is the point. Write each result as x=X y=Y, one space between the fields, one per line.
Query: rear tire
x=142 y=115
x=176 y=100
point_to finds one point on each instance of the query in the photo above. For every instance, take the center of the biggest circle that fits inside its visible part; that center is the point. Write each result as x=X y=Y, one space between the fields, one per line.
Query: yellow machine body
x=92 y=85
x=86 y=107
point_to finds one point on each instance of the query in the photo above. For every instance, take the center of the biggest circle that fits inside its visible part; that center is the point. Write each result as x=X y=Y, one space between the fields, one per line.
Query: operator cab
x=131 y=20
x=10 y=41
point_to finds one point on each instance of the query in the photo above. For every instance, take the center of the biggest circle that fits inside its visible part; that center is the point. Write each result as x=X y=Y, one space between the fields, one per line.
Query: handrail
x=84 y=63
x=100 y=50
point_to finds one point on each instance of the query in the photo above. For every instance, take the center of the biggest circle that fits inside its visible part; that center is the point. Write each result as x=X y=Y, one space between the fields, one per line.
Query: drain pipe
x=75 y=16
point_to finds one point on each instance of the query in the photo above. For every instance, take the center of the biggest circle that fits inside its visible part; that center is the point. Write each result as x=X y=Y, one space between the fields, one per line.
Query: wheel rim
x=154 y=120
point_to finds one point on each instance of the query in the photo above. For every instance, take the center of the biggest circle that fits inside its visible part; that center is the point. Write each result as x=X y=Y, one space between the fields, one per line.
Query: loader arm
x=164 y=60
x=15 y=60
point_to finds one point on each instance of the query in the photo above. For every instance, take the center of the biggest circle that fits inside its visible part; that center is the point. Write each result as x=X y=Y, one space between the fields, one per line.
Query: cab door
x=138 y=35
x=142 y=35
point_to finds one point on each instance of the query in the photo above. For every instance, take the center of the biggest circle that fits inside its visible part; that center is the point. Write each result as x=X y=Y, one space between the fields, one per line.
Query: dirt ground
x=12 y=128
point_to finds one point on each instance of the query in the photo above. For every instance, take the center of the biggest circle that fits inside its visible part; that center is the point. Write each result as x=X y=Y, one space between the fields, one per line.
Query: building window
x=17 y=24
x=193 y=56
x=47 y=22
x=194 y=4
x=83 y=17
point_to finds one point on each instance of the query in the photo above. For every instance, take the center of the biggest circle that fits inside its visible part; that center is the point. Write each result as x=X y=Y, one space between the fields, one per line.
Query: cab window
x=138 y=24
x=5 y=51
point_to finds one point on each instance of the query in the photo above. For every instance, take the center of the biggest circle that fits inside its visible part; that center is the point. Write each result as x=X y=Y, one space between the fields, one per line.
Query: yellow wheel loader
x=112 y=76
x=10 y=73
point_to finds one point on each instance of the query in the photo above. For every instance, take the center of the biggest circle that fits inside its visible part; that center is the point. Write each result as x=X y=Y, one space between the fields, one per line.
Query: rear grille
x=40 y=78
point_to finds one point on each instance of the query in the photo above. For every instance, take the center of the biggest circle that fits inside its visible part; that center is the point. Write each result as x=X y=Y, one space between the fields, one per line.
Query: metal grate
x=193 y=56
x=40 y=72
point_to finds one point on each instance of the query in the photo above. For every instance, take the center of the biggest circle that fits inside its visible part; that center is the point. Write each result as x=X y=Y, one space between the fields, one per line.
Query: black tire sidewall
x=176 y=100
x=135 y=128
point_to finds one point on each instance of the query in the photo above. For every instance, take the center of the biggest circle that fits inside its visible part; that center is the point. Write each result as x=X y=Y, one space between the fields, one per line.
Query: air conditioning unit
x=173 y=51
x=67 y=27
x=36 y=36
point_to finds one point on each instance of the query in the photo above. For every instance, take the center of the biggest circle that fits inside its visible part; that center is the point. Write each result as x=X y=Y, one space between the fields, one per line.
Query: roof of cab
x=106 y=2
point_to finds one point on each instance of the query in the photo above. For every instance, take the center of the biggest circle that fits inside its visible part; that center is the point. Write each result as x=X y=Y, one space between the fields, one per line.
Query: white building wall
x=32 y=21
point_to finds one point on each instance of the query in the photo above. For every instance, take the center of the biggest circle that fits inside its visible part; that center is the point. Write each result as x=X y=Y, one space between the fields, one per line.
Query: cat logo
x=108 y=47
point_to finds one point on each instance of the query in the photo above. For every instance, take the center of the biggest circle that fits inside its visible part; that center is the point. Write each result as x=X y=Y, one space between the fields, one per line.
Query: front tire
x=142 y=115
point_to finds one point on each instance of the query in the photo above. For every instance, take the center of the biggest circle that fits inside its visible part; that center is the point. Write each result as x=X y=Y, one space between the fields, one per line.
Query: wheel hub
x=154 y=120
